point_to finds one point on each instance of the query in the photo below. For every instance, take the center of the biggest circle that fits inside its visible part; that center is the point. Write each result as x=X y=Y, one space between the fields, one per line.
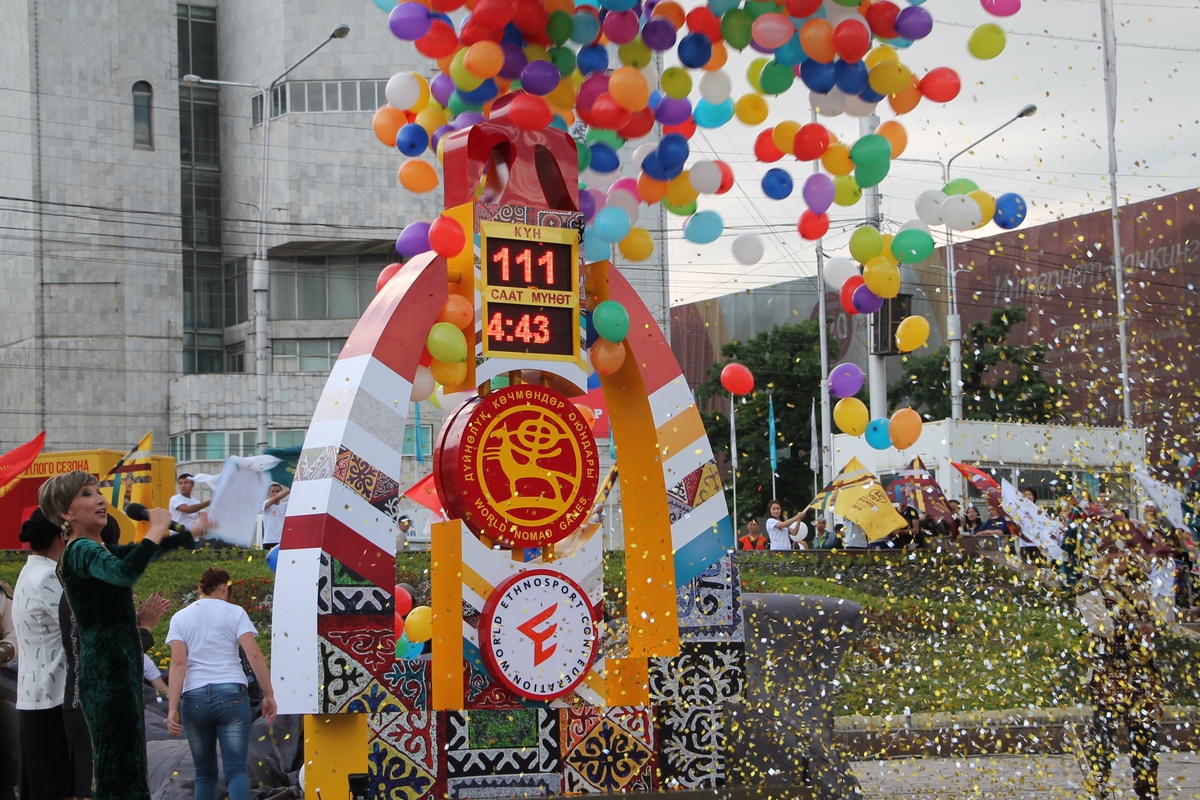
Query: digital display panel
x=530 y=291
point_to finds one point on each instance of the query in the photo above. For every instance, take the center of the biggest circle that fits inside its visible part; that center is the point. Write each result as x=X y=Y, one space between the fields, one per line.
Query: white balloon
x=705 y=176
x=857 y=107
x=828 y=105
x=748 y=248
x=838 y=270
x=423 y=384
x=961 y=212
x=403 y=90
x=715 y=87
x=640 y=154
x=598 y=180
x=801 y=532
x=916 y=225
x=625 y=201
x=929 y=206
x=836 y=13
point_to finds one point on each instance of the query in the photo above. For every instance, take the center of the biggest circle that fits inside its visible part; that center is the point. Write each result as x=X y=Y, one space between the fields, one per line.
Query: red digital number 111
x=524 y=259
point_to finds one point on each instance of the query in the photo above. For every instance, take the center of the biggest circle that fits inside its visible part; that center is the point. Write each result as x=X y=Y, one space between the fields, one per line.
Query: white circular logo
x=538 y=634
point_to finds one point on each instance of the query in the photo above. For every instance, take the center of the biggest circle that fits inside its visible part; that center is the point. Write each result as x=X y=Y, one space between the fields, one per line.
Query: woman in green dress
x=98 y=582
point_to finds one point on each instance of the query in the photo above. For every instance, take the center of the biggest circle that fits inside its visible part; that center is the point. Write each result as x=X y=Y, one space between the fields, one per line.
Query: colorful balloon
x=737 y=379
x=941 y=85
x=747 y=248
x=1010 y=211
x=846 y=380
x=851 y=416
x=987 y=41
x=912 y=333
x=904 y=428
x=865 y=243
x=877 y=434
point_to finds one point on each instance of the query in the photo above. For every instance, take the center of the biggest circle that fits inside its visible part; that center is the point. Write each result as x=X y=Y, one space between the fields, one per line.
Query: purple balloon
x=438 y=133
x=621 y=27
x=670 y=111
x=818 y=192
x=865 y=301
x=514 y=61
x=914 y=23
x=441 y=87
x=414 y=239
x=845 y=380
x=658 y=34
x=409 y=21
x=466 y=119
x=540 y=77
x=587 y=206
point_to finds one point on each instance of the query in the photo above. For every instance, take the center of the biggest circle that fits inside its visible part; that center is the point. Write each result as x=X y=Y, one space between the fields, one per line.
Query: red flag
x=14 y=462
x=424 y=493
x=978 y=478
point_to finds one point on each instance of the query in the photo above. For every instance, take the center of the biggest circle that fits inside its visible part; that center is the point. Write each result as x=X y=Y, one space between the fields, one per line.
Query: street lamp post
x=260 y=270
x=953 y=321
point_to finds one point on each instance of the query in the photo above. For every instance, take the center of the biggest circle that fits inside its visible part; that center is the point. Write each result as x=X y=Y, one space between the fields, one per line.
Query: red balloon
x=446 y=236
x=386 y=274
x=941 y=85
x=446 y=6
x=608 y=114
x=813 y=226
x=702 y=20
x=528 y=112
x=494 y=14
x=852 y=40
x=737 y=379
x=440 y=41
x=881 y=16
x=803 y=8
x=685 y=129
x=531 y=20
x=473 y=32
x=811 y=142
x=404 y=601
x=847 y=294
x=640 y=124
x=765 y=149
x=726 y=177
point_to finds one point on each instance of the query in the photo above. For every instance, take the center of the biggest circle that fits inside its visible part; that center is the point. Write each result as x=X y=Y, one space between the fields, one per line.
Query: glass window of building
x=323 y=287
x=143 y=119
x=305 y=355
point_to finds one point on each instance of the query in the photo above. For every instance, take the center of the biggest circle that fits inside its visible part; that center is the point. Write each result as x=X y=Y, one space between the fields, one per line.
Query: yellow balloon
x=836 y=159
x=431 y=118
x=987 y=41
x=882 y=277
x=851 y=416
x=535 y=52
x=563 y=96
x=750 y=109
x=912 y=333
x=889 y=77
x=676 y=82
x=448 y=374
x=865 y=243
x=784 y=136
x=418 y=625
x=987 y=204
x=754 y=73
x=846 y=191
x=886 y=251
x=881 y=55
x=680 y=191
x=637 y=246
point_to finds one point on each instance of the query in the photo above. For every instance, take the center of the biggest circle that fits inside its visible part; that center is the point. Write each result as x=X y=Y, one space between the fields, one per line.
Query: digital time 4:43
x=529 y=328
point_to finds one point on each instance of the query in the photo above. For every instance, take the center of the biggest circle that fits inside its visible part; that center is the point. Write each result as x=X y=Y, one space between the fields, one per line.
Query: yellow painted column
x=446 y=576
x=335 y=746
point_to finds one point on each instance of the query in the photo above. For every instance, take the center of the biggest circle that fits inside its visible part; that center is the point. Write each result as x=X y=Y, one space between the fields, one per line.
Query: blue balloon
x=385 y=5
x=618 y=5
x=559 y=123
x=817 y=76
x=851 y=78
x=719 y=7
x=273 y=558
x=1010 y=211
x=777 y=183
x=791 y=53
x=595 y=248
x=869 y=95
x=589 y=332
x=707 y=115
x=412 y=139
x=604 y=158
x=673 y=150
x=877 y=433
x=593 y=381
x=655 y=97
x=694 y=50
x=407 y=649
x=584 y=28
x=611 y=224
x=703 y=227
x=592 y=58
x=512 y=35
x=482 y=93
x=653 y=167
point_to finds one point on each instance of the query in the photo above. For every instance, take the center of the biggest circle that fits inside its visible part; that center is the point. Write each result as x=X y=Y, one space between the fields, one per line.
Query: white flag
x=814 y=458
x=238 y=495
x=1036 y=527
x=1168 y=499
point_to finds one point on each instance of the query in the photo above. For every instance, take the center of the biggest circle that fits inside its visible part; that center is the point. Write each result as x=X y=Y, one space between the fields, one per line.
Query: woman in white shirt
x=208 y=697
x=780 y=530
x=42 y=668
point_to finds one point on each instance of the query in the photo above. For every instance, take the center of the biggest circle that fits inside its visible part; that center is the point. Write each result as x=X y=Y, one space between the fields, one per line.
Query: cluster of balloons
x=414 y=624
x=608 y=327
x=901 y=431
x=962 y=205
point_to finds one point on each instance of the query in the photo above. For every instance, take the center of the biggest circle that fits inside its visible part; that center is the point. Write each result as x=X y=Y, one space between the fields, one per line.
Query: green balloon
x=681 y=211
x=912 y=246
x=585 y=155
x=458 y=105
x=865 y=243
x=871 y=175
x=848 y=3
x=756 y=8
x=735 y=28
x=446 y=343
x=610 y=138
x=610 y=321
x=499 y=382
x=871 y=150
x=776 y=78
x=559 y=27
x=960 y=186
x=563 y=58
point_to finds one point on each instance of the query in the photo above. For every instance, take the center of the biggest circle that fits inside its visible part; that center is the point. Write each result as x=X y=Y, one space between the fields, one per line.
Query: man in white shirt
x=184 y=509
x=274 y=510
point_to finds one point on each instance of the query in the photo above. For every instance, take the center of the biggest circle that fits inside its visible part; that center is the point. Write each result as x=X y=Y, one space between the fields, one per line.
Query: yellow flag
x=870 y=508
x=129 y=480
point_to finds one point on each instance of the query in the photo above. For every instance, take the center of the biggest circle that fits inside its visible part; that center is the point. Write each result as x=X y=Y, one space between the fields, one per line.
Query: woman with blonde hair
x=98 y=581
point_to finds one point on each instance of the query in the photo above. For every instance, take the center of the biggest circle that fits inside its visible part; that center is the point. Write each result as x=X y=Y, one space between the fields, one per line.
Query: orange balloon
x=418 y=176
x=565 y=6
x=836 y=160
x=719 y=56
x=586 y=411
x=650 y=190
x=897 y=137
x=484 y=59
x=671 y=11
x=816 y=37
x=906 y=100
x=448 y=374
x=458 y=311
x=386 y=123
x=905 y=428
x=628 y=87
x=607 y=357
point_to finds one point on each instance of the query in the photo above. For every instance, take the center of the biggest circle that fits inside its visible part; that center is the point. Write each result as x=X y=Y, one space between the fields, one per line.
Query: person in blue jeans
x=209 y=701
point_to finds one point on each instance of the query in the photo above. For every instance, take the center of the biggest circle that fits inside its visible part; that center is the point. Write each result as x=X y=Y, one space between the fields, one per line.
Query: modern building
x=131 y=212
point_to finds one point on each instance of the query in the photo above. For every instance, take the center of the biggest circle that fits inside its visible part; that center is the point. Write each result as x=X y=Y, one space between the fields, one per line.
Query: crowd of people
x=79 y=644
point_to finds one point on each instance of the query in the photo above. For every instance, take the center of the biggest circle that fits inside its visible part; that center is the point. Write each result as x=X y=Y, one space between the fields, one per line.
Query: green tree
x=1002 y=382
x=786 y=363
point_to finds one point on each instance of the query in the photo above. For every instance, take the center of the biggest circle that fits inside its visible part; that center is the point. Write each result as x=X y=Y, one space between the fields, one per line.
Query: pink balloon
x=624 y=185
x=621 y=26
x=772 y=30
x=818 y=192
x=1001 y=8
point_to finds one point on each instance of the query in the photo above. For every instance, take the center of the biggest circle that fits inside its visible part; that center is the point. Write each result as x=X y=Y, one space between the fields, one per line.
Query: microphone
x=138 y=513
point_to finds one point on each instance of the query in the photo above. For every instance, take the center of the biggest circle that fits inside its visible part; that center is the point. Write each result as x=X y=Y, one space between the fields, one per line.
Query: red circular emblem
x=519 y=466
